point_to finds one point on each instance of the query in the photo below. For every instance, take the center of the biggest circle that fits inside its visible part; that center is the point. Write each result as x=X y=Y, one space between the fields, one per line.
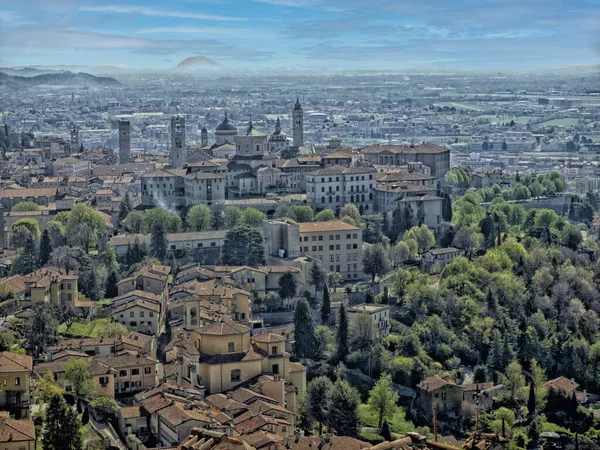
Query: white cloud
x=144 y=11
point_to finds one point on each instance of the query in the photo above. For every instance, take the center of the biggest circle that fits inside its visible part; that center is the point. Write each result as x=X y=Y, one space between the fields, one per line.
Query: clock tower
x=178 y=151
x=298 y=124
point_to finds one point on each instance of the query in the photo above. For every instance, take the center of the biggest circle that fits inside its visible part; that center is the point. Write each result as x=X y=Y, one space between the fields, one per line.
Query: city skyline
x=303 y=34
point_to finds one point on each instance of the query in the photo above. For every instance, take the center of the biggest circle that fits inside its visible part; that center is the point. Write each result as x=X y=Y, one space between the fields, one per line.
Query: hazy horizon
x=300 y=35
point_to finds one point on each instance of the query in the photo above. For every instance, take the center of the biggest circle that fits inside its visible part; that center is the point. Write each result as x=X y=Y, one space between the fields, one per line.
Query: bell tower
x=298 y=125
x=178 y=154
x=204 y=137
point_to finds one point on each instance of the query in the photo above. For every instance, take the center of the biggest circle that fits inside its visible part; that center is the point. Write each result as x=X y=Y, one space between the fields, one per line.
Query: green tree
x=46 y=387
x=23 y=228
x=83 y=225
x=375 y=262
x=304 y=330
x=111 y=290
x=199 y=218
x=301 y=213
x=272 y=301
x=325 y=216
x=45 y=248
x=386 y=433
x=125 y=207
x=342 y=335
x=317 y=277
x=383 y=399
x=26 y=260
x=62 y=428
x=350 y=210
x=77 y=372
x=243 y=246
x=233 y=217
x=317 y=400
x=25 y=207
x=513 y=381
x=343 y=409
x=171 y=221
x=134 y=223
x=158 y=241
x=288 y=285
x=423 y=236
x=333 y=279
x=57 y=233
x=112 y=330
x=105 y=407
x=253 y=217
x=325 y=307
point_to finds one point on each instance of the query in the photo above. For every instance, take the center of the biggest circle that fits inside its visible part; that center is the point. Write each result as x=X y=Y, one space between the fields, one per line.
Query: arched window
x=322 y=199
x=371 y=196
x=193 y=316
x=352 y=199
x=360 y=209
x=330 y=199
x=337 y=198
x=363 y=198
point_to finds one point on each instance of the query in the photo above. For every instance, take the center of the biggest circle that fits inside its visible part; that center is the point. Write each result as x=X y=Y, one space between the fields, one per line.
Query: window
x=348 y=236
x=276 y=368
x=331 y=247
x=305 y=238
x=274 y=350
x=135 y=371
x=337 y=237
x=314 y=238
x=337 y=246
x=231 y=347
x=122 y=373
x=173 y=247
x=236 y=375
x=131 y=313
x=331 y=237
x=320 y=248
x=103 y=381
x=151 y=314
x=314 y=248
x=17 y=381
x=320 y=238
x=141 y=313
x=133 y=324
x=330 y=258
x=147 y=370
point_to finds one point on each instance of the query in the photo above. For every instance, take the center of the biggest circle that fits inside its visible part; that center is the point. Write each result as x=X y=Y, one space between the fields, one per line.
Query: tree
x=342 y=335
x=301 y=213
x=531 y=399
x=423 y=236
x=105 y=407
x=111 y=290
x=26 y=260
x=375 y=262
x=513 y=381
x=386 y=434
x=369 y=297
x=402 y=220
x=253 y=217
x=62 y=430
x=83 y=225
x=383 y=399
x=57 y=233
x=317 y=277
x=125 y=207
x=45 y=248
x=134 y=222
x=243 y=246
x=325 y=307
x=172 y=221
x=77 y=372
x=46 y=387
x=317 y=400
x=343 y=409
x=350 y=210
x=23 y=228
x=363 y=330
x=199 y=218
x=304 y=330
x=26 y=206
x=112 y=330
x=233 y=217
x=272 y=301
x=65 y=258
x=288 y=285
x=333 y=279
x=469 y=240
x=158 y=241
x=325 y=216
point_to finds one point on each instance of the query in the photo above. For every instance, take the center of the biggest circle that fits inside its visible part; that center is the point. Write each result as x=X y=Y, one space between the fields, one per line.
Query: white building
x=379 y=313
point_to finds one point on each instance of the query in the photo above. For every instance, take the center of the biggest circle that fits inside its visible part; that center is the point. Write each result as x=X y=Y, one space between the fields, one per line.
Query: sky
x=300 y=35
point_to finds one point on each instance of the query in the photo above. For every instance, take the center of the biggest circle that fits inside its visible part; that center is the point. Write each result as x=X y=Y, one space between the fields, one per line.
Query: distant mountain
x=197 y=62
x=56 y=79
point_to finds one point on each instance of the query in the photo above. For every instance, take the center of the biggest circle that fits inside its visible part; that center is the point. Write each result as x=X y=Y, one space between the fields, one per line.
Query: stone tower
x=74 y=140
x=178 y=152
x=124 y=141
x=298 y=125
x=204 y=137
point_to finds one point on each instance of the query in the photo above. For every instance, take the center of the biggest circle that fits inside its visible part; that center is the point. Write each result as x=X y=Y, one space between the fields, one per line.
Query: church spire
x=297 y=106
x=278 y=126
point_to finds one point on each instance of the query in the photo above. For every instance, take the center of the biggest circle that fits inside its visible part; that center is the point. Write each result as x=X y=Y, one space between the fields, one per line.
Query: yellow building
x=50 y=285
x=15 y=378
x=223 y=355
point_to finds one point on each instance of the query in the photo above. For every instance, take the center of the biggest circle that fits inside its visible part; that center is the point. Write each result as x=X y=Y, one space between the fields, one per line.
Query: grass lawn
x=82 y=329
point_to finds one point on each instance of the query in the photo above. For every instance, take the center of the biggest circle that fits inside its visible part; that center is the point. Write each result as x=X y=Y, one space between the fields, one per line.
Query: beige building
x=336 y=244
x=445 y=395
x=333 y=187
x=427 y=209
x=140 y=316
x=440 y=257
x=17 y=434
x=201 y=240
x=15 y=383
x=51 y=285
x=379 y=313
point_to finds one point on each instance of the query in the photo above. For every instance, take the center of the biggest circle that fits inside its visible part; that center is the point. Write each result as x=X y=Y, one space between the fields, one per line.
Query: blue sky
x=302 y=34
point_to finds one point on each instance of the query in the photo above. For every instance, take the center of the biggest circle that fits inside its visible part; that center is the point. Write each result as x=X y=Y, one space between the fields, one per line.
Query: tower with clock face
x=298 y=124
x=178 y=151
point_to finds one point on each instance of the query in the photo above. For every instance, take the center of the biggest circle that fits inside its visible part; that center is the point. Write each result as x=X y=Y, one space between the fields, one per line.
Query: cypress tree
x=369 y=298
x=111 y=285
x=158 y=243
x=304 y=330
x=325 y=307
x=385 y=224
x=386 y=433
x=531 y=399
x=45 y=248
x=62 y=429
x=341 y=335
x=343 y=409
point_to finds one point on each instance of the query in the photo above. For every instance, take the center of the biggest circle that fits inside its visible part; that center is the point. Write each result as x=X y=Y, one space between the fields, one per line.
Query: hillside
x=57 y=79
x=198 y=62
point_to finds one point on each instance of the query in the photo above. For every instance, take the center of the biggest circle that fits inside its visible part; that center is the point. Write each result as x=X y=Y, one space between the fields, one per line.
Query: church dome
x=226 y=125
